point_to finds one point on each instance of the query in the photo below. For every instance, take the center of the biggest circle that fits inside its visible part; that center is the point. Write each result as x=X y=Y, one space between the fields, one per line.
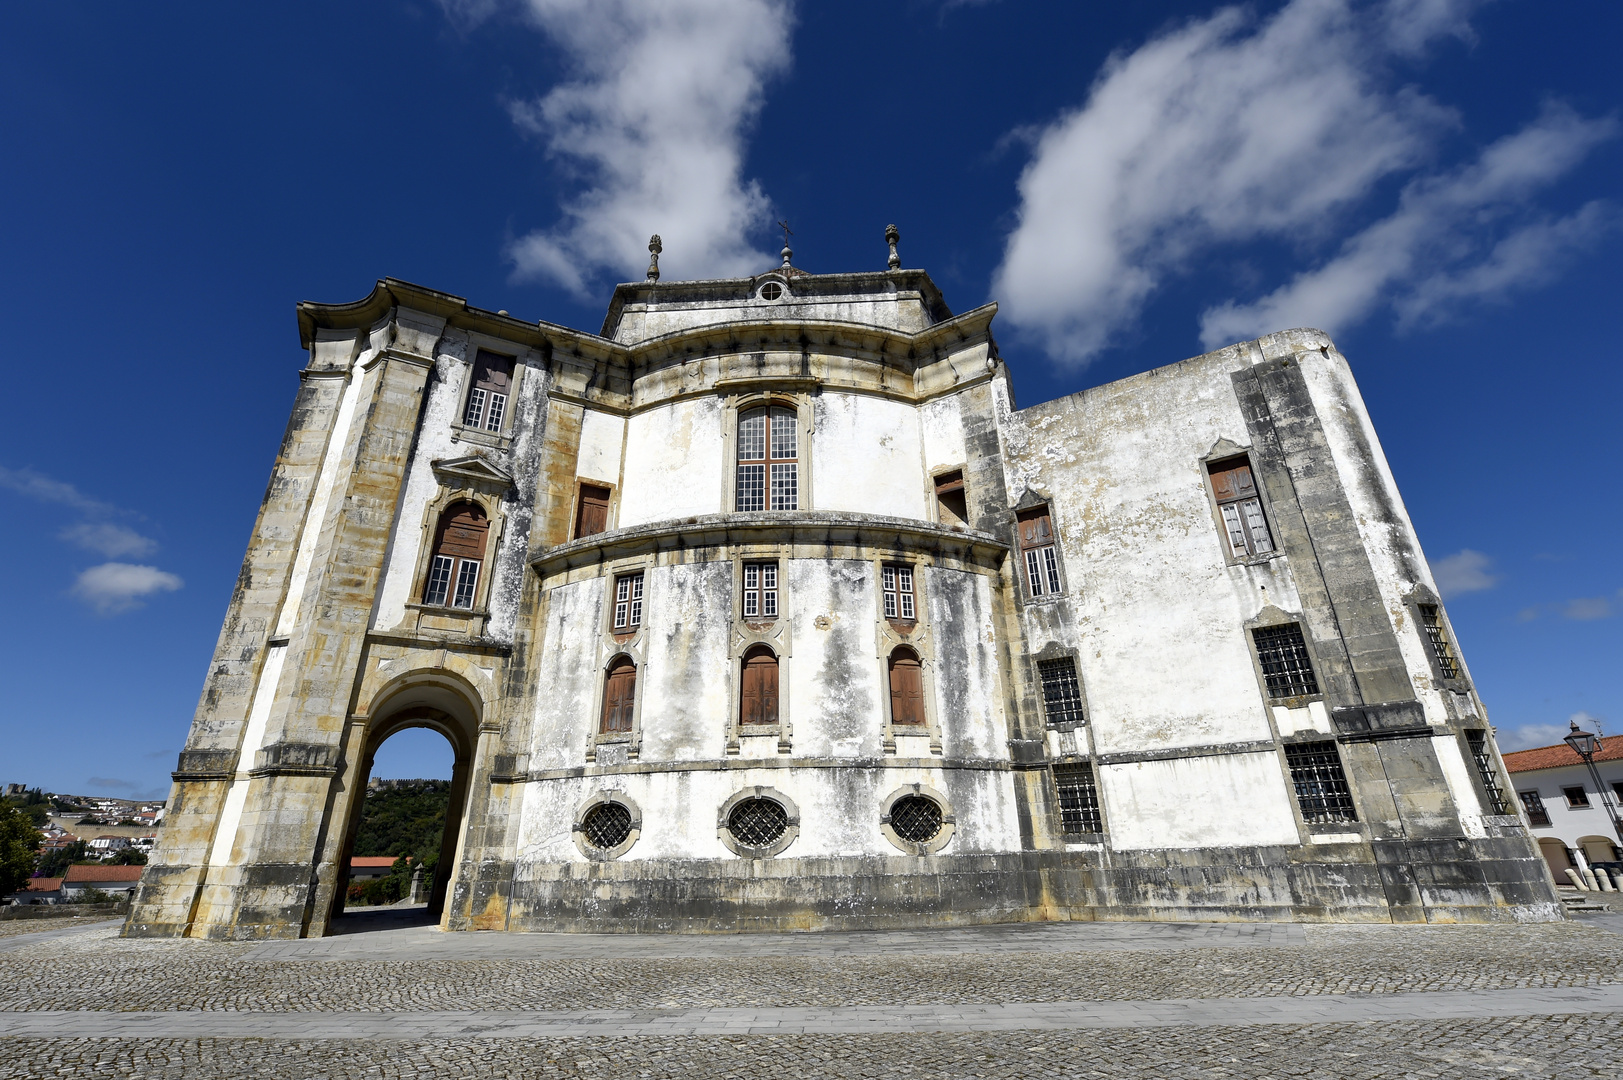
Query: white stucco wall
x=673 y=462
x=567 y=675
x=866 y=456
x=964 y=668
x=941 y=431
x=602 y=437
x=684 y=681
x=834 y=680
x=1203 y=802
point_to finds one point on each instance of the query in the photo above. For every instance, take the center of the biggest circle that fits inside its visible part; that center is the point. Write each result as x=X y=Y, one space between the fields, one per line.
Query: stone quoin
x=765 y=608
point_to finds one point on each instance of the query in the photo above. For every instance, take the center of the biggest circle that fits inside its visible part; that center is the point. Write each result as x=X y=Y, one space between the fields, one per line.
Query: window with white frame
x=491 y=390
x=768 y=460
x=627 y=602
x=900 y=601
x=1037 y=548
x=1244 y=523
x=459 y=551
x=760 y=590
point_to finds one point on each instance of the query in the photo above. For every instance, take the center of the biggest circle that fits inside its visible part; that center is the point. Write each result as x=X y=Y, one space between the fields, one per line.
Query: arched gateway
x=766 y=608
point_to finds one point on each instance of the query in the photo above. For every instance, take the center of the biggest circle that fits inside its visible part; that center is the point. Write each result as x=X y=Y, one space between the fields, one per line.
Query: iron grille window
x=758 y=822
x=1062 y=694
x=628 y=602
x=1533 y=803
x=760 y=590
x=762 y=432
x=1478 y=741
x=1285 y=664
x=915 y=819
x=898 y=590
x=1437 y=638
x=1321 y=785
x=1078 y=800
x=607 y=825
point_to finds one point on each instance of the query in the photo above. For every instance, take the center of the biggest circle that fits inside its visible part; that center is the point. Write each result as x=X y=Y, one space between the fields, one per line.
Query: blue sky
x=1435 y=182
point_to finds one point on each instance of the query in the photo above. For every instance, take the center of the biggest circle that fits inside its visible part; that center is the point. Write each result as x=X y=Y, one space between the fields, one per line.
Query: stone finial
x=654 y=248
x=892 y=236
x=787 y=253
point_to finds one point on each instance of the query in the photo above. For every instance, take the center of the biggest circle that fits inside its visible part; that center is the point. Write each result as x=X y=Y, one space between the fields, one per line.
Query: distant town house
x=116 y=881
x=106 y=845
x=367 y=867
x=39 y=890
x=1568 y=816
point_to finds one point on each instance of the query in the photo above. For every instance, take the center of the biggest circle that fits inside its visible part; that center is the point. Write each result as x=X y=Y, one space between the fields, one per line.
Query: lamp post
x=1586 y=745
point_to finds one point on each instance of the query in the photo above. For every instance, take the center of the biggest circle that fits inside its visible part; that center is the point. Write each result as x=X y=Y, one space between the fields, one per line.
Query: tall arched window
x=459 y=549
x=758 y=698
x=619 y=695
x=768 y=482
x=906 y=687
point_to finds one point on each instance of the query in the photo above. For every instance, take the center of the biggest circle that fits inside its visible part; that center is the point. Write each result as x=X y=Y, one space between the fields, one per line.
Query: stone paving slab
x=430 y=943
x=623 y=1023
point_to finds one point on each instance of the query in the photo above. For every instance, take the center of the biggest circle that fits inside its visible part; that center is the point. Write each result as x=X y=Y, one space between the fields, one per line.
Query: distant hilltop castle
x=766 y=608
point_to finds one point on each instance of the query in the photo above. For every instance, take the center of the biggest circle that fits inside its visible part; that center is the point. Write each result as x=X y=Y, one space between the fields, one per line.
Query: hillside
x=406 y=817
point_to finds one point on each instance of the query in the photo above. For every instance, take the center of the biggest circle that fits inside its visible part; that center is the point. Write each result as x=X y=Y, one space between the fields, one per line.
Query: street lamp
x=1586 y=745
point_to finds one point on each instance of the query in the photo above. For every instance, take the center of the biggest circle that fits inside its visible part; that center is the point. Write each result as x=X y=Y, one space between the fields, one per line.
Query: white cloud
x=1439 y=247
x=108 y=539
x=1465 y=571
x=37 y=485
x=653 y=124
x=1223 y=129
x=116 y=587
x=1587 y=608
x=1528 y=736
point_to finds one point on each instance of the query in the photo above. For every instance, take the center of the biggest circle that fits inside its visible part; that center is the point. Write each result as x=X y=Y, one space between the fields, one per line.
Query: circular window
x=758 y=823
x=771 y=291
x=607 y=825
x=915 y=818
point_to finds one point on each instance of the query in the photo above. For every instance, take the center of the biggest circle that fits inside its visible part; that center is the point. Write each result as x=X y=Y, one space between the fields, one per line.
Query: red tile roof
x=372 y=860
x=42 y=884
x=1552 y=757
x=104 y=873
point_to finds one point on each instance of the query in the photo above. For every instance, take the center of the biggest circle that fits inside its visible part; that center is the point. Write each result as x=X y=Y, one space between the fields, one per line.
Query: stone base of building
x=1438 y=881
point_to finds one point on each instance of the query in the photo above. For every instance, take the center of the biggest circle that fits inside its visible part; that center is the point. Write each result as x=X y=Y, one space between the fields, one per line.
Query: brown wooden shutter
x=758 y=700
x=462 y=532
x=1233 y=480
x=593 y=516
x=493 y=373
x=906 y=690
x=619 y=695
x=1035 y=527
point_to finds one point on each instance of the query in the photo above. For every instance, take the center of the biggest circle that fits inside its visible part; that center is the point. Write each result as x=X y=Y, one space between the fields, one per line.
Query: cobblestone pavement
x=10 y=928
x=1432 y=983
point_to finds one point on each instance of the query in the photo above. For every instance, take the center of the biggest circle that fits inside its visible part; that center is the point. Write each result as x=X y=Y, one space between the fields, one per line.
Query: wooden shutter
x=1233 y=480
x=493 y=373
x=462 y=532
x=593 y=515
x=1035 y=527
x=758 y=701
x=619 y=695
x=906 y=690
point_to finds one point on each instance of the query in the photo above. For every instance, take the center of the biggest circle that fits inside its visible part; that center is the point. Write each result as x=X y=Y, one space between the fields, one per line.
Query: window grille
x=627 y=602
x=1533 y=803
x=757 y=823
x=459 y=547
x=762 y=483
x=1478 y=741
x=1078 y=799
x=760 y=590
x=1437 y=638
x=1062 y=694
x=492 y=385
x=607 y=825
x=915 y=818
x=1284 y=658
x=898 y=591
x=1321 y=785
x=1244 y=523
x=1037 y=544
x=1576 y=796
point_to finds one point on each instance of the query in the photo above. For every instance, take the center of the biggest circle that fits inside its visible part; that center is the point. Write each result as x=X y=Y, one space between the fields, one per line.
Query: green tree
x=130 y=856
x=19 y=841
x=56 y=863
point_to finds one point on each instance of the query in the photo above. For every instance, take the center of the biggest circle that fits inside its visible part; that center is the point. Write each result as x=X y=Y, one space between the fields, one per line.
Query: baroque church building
x=766 y=608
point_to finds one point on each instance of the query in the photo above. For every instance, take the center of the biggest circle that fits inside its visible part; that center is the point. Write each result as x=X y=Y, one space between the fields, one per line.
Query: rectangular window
x=1478 y=741
x=1533 y=803
x=1321 y=786
x=760 y=590
x=492 y=386
x=1078 y=800
x=1037 y=546
x=898 y=589
x=467 y=577
x=768 y=483
x=951 y=507
x=592 y=517
x=1617 y=789
x=1577 y=797
x=1437 y=638
x=1285 y=664
x=1062 y=694
x=1239 y=504
x=439 y=581
x=628 y=602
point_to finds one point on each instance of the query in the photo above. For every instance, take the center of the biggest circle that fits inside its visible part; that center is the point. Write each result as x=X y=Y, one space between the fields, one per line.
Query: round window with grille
x=915 y=818
x=607 y=825
x=758 y=823
x=771 y=291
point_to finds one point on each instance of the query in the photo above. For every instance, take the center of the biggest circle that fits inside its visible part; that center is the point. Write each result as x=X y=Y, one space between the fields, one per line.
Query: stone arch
x=441 y=699
x=1555 y=854
x=1598 y=849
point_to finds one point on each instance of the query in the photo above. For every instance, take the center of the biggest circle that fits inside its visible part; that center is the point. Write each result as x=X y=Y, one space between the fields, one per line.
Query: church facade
x=767 y=608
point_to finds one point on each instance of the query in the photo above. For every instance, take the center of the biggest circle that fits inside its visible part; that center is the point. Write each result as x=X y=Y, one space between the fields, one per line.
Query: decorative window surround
x=749 y=632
